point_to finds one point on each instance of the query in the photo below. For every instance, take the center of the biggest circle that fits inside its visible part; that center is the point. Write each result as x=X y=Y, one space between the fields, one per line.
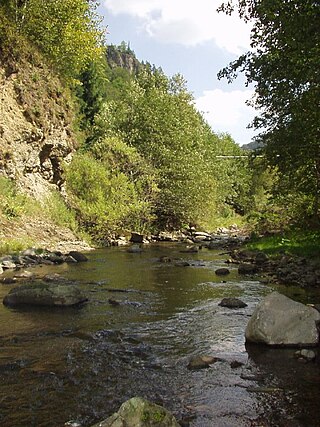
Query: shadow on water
x=80 y=364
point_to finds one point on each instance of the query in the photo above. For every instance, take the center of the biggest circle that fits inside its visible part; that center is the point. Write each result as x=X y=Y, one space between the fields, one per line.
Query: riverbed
x=143 y=322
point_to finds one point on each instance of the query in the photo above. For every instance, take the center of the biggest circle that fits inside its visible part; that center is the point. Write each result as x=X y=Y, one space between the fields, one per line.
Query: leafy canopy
x=68 y=32
x=284 y=67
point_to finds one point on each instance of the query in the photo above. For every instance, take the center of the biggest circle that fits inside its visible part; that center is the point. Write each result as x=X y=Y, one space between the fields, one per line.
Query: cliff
x=123 y=57
x=35 y=124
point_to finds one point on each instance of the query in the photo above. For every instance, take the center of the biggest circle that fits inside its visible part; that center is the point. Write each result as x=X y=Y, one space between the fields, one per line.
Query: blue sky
x=191 y=38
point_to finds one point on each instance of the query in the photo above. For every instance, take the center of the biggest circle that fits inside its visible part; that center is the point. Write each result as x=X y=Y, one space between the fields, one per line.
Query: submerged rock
x=165 y=258
x=191 y=249
x=45 y=294
x=134 y=249
x=222 y=271
x=305 y=354
x=232 y=303
x=78 y=256
x=182 y=263
x=278 y=320
x=114 y=302
x=201 y=362
x=138 y=412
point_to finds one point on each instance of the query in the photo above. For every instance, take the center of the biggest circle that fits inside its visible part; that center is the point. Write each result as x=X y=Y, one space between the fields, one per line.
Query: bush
x=13 y=204
x=105 y=199
x=57 y=210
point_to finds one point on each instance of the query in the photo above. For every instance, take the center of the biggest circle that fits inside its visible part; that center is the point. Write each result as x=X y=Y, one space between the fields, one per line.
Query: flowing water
x=77 y=365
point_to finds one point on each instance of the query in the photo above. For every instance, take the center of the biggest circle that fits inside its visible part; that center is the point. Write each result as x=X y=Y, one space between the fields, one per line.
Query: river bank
x=53 y=244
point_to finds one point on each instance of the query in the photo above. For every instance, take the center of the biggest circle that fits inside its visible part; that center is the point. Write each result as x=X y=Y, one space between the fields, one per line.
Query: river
x=76 y=366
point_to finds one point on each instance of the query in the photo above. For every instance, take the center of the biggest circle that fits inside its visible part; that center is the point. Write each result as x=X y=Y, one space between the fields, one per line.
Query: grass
x=298 y=242
x=12 y=246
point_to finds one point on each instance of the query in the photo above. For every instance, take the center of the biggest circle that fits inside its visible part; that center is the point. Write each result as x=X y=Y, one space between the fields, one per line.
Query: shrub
x=105 y=200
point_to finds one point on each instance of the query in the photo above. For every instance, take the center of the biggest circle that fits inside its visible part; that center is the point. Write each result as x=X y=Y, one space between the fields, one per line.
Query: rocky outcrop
x=35 y=127
x=280 y=321
x=138 y=412
x=123 y=57
x=45 y=294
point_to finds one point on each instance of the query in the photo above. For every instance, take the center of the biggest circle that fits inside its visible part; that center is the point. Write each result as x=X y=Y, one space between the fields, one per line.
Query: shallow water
x=80 y=364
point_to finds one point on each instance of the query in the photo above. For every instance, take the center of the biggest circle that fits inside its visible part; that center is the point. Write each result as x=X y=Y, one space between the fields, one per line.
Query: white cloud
x=186 y=22
x=227 y=112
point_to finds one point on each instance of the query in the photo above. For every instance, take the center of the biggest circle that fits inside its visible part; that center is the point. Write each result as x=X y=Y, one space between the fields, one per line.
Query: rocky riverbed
x=157 y=325
x=281 y=269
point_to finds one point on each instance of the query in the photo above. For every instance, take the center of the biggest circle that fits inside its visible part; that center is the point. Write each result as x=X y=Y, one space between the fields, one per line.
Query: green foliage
x=11 y=246
x=92 y=92
x=66 y=31
x=156 y=116
x=105 y=199
x=13 y=204
x=57 y=210
x=284 y=66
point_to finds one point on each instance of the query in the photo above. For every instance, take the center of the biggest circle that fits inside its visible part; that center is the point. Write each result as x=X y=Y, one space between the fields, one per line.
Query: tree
x=67 y=31
x=284 y=66
x=155 y=115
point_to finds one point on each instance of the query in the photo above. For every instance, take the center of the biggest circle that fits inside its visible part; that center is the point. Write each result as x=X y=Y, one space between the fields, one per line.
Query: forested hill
x=116 y=143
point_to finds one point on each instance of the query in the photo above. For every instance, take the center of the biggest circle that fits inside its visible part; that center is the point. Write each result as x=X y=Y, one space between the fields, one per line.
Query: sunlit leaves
x=284 y=66
x=67 y=31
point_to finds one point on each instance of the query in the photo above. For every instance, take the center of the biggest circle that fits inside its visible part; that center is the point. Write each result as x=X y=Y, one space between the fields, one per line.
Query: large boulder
x=278 y=320
x=138 y=412
x=45 y=294
x=78 y=256
x=137 y=238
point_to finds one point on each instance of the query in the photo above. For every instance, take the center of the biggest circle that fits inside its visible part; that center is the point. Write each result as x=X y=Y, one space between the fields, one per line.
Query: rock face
x=278 y=320
x=35 y=128
x=138 y=412
x=45 y=294
x=123 y=58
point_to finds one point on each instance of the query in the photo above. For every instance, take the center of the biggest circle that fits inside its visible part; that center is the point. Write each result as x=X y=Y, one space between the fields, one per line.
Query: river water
x=76 y=366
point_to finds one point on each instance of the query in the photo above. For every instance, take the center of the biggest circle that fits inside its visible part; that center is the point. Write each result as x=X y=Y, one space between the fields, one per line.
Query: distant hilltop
x=122 y=56
x=254 y=145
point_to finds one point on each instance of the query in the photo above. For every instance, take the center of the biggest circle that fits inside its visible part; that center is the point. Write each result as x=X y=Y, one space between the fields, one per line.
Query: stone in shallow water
x=78 y=256
x=138 y=412
x=306 y=354
x=222 y=271
x=45 y=294
x=232 y=303
x=247 y=269
x=201 y=362
x=278 y=320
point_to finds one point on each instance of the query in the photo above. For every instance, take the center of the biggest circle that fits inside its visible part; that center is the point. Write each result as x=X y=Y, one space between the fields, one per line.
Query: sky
x=193 y=39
